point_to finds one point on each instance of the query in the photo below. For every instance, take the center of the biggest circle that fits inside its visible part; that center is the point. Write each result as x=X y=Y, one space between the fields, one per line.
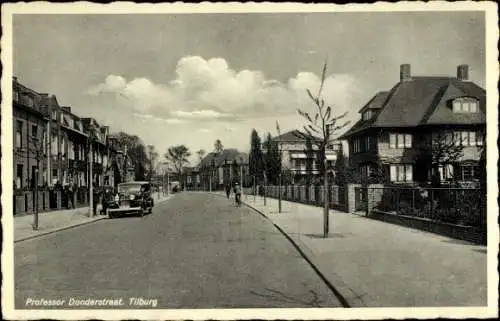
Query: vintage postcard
x=249 y=161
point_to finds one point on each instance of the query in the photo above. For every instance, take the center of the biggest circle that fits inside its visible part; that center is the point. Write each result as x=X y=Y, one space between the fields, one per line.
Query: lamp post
x=280 y=151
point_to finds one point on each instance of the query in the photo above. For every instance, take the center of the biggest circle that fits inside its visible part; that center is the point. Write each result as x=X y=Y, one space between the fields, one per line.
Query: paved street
x=195 y=251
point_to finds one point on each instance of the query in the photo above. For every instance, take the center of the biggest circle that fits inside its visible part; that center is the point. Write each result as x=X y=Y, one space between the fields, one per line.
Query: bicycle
x=237 y=199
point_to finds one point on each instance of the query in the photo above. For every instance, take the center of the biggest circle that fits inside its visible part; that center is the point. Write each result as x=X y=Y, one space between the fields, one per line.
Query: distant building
x=300 y=155
x=220 y=169
x=420 y=115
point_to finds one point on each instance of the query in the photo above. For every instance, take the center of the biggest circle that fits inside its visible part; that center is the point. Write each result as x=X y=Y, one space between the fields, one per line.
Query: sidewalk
x=50 y=222
x=377 y=264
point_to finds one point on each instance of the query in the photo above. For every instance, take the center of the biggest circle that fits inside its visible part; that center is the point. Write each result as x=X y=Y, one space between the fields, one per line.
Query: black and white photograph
x=249 y=161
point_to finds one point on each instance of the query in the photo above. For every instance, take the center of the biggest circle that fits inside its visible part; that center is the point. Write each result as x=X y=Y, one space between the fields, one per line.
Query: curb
x=71 y=226
x=58 y=230
x=332 y=288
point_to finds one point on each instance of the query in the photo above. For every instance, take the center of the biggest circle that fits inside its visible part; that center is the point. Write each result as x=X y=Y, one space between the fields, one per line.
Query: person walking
x=95 y=199
x=228 y=190
x=237 y=194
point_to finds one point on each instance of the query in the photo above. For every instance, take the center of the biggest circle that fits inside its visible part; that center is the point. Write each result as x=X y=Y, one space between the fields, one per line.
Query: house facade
x=300 y=155
x=30 y=134
x=425 y=129
x=98 y=137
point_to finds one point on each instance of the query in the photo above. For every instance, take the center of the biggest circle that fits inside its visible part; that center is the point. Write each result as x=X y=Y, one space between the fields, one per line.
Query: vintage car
x=131 y=198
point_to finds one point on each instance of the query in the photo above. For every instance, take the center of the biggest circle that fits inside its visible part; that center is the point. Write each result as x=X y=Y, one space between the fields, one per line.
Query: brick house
x=30 y=130
x=422 y=128
x=300 y=157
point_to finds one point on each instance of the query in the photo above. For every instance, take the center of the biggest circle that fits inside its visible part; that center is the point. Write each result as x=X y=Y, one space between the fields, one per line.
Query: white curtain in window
x=409 y=173
x=472 y=138
x=408 y=140
x=401 y=173
x=394 y=175
x=457 y=106
x=392 y=140
x=401 y=140
x=479 y=138
x=465 y=138
x=456 y=138
x=473 y=107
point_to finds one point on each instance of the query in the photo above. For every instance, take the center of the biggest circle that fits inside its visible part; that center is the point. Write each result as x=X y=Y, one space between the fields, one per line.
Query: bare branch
x=328 y=112
x=310 y=95
x=340 y=117
x=323 y=74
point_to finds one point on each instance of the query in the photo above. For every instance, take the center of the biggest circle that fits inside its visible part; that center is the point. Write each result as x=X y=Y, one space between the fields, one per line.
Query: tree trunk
x=325 y=209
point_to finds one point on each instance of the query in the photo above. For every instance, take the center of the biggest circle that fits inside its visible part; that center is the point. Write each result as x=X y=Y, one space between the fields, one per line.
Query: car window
x=128 y=189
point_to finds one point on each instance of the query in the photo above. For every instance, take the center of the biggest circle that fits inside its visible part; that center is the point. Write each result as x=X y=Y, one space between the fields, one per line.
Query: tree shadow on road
x=276 y=295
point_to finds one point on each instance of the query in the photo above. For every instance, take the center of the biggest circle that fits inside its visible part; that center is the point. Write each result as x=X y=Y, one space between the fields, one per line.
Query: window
x=400 y=140
x=54 y=174
x=469 y=172
x=19 y=176
x=401 y=173
x=367 y=114
x=54 y=114
x=468 y=138
x=34 y=131
x=465 y=106
x=19 y=134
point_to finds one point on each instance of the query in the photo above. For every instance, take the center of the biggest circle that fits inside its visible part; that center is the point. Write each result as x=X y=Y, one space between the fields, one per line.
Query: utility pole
x=38 y=155
x=280 y=160
x=241 y=176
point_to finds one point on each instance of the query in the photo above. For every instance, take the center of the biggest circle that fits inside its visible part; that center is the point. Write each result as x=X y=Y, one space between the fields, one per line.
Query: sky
x=193 y=78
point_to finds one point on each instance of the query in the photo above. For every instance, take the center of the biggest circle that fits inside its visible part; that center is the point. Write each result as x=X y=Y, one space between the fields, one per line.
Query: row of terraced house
x=52 y=148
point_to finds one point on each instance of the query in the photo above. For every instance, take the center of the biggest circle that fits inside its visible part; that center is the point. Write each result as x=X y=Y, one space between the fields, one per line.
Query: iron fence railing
x=312 y=194
x=459 y=206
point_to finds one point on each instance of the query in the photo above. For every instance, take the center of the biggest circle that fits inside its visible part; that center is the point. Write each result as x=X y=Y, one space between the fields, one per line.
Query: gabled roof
x=230 y=154
x=376 y=102
x=293 y=136
x=421 y=101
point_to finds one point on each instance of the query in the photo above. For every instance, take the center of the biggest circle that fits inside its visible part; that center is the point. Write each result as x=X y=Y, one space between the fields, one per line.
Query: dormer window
x=465 y=105
x=368 y=114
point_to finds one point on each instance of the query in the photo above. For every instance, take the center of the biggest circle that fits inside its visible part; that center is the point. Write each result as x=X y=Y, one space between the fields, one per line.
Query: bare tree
x=323 y=125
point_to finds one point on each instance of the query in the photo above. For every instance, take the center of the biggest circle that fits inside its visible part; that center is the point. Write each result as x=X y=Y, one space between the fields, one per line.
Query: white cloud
x=204 y=130
x=210 y=89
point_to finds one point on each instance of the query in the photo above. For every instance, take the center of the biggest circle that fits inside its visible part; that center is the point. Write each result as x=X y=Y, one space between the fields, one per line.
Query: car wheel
x=141 y=212
x=150 y=210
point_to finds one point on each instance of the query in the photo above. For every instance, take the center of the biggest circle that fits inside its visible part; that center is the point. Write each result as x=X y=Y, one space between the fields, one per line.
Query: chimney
x=405 y=72
x=463 y=72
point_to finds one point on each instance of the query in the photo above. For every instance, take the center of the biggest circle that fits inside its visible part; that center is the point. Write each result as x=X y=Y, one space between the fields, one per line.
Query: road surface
x=196 y=250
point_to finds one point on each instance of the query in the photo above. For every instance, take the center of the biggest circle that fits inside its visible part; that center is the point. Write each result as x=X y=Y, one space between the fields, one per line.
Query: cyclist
x=237 y=193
